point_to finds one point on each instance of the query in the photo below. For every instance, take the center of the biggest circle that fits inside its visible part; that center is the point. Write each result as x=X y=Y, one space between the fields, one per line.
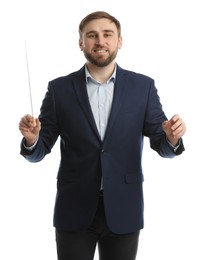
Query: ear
x=120 y=42
x=81 y=44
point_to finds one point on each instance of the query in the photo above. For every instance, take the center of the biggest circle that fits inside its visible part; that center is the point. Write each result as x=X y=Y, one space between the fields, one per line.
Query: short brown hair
x=99 y=15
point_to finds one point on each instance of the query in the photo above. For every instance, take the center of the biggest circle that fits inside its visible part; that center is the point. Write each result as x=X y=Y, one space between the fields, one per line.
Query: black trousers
x=82 y=245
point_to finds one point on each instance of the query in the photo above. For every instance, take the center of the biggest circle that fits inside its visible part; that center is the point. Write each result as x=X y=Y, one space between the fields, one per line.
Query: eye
x=108 y=35
x=91 y=36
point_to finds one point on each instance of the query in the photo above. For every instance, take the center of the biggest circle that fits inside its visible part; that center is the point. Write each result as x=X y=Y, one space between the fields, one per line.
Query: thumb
x=164 y=124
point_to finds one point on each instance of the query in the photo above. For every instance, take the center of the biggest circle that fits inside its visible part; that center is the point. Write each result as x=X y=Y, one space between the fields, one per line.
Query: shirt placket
x=102 y=110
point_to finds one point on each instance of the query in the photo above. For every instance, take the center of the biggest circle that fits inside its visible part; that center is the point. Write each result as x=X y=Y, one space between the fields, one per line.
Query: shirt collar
x=112 y=78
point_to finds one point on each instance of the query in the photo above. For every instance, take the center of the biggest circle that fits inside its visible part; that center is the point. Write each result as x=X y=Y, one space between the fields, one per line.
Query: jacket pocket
x=133 y=178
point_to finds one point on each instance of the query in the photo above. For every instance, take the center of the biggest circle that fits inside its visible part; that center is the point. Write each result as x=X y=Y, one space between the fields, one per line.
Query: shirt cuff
x=30 y=147
x=175 y=147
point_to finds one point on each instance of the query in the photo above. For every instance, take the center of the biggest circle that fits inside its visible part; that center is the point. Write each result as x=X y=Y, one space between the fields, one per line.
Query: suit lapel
x=79 y=83
x=119 y=94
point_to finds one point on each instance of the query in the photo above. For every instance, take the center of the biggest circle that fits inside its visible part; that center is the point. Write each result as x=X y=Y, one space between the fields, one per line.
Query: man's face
x=100 y=42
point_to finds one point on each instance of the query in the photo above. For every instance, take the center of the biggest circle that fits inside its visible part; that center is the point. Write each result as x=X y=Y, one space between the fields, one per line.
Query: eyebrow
x=106 y=30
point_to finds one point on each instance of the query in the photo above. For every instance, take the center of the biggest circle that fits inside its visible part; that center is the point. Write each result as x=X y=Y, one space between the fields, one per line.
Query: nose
x=99 y=40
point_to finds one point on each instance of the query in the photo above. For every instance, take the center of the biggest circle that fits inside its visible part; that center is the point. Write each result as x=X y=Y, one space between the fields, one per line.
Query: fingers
x=178 y=127
x=174 y=128
x=28 y=124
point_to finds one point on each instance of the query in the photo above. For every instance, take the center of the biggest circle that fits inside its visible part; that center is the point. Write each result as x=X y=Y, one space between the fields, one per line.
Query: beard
x=98 y=60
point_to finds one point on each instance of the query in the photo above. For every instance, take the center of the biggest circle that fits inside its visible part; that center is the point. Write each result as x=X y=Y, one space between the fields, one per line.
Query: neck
x=101 y=74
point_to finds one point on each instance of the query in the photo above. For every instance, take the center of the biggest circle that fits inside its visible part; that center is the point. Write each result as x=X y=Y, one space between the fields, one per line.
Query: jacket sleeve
x=49 y=130
x=154 y=118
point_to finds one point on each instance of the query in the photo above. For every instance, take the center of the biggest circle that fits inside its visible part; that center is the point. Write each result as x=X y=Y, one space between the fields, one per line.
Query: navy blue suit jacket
x=66 y=112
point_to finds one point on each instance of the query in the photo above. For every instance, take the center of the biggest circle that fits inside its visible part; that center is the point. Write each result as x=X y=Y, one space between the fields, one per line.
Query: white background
x=161 y=39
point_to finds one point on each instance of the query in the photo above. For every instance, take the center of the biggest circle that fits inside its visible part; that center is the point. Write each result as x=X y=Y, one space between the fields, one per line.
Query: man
x=101 y=113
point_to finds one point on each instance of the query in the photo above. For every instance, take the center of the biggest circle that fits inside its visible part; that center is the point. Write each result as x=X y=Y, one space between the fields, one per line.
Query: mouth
x=100 y=51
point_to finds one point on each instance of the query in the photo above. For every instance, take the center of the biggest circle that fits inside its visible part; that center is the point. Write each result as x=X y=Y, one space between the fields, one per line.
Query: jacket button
x=102 y=151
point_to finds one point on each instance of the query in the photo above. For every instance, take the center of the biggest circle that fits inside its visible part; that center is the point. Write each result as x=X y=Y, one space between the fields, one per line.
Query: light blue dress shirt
x=100 y=98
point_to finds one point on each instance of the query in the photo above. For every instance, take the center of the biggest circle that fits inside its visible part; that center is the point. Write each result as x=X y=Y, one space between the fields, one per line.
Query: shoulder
x=69 y=77
x=135 y=80
x=134 y=75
